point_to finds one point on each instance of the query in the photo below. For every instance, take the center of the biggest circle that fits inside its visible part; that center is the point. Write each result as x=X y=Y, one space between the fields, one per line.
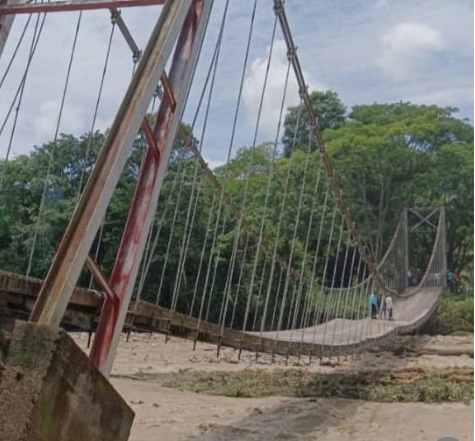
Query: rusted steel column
x=6 y=22
x=149 y=183
x=77 y=240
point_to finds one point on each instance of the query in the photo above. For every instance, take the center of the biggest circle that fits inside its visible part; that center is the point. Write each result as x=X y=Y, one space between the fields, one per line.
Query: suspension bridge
x=204 y=254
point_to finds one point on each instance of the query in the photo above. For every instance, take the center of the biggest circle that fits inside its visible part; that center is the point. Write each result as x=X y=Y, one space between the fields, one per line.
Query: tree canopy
x=387 y=157
x=331 y=113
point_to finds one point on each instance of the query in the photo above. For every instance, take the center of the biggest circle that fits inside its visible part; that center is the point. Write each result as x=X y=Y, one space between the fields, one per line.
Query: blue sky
x=367 y=51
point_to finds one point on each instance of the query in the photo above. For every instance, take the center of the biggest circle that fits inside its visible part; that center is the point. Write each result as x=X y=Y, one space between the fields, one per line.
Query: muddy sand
x=171 y=414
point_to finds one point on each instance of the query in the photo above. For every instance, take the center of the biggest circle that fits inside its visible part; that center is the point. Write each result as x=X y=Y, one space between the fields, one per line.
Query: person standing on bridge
x=410 y=280
x=455 y=281
x=419 y=276
x=388 y=303
x=382 y=307
x=373 y=300
x=450 y=281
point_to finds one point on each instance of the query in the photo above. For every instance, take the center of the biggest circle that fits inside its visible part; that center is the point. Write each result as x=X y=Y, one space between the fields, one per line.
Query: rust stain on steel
x=101 y=279
x=147 y=130
x=148 y=186
x=75 y=245
x=167 y=88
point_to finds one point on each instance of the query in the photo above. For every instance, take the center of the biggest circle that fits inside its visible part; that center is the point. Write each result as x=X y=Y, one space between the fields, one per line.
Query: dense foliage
x=454 y=316
x=387 y=156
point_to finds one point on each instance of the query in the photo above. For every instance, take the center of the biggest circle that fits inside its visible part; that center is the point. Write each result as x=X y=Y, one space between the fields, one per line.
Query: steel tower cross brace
x=150 y=180
x=181 y=24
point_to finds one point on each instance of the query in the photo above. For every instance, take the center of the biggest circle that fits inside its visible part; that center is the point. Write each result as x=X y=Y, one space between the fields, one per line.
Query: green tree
x=330 y=112
x=393 y=155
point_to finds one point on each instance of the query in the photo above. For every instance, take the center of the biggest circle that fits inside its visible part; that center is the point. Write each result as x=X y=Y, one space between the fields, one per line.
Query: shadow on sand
x=292 y=419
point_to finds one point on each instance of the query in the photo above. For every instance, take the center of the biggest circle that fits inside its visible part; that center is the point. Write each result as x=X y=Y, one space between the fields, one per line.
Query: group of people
x=452 y=281
x=381 y=306
x=452 y=278
x=414 y=279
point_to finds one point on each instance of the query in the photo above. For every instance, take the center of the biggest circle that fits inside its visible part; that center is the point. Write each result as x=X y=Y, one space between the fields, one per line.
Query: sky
x=366 y=50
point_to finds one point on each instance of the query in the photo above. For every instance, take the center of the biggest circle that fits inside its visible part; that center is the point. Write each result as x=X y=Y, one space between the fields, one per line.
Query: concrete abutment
x=51 y=391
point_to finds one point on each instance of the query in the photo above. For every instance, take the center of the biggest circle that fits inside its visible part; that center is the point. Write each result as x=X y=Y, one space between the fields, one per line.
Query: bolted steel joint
x=136 y=56
x=303 y=90
x=291 y=53
x=115 y=14
x=278 y=7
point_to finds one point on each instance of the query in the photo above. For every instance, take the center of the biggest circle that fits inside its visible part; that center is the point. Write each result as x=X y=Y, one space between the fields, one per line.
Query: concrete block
x=50 y=390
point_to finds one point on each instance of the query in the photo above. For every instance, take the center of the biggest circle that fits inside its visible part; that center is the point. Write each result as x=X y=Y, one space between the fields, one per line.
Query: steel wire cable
x=226 y=294
x=238 y=287
x=315 y=262
x=317 y=310
x=294 y=238
x=259 y=293
x=348 y=290
x=279 y=224
x=279 y=11
x=276 y=302
x=157 y=236
x=307 y=297
x=170 y=238
x=353 y=300
x=329 y=305
x=89 y=144
x=96 y=110
x=282 y=209
x=203 y=297
x=256 y=131
x=202 y=254
x=189 y=224
x=340 y=290
x=220 y=203
x=211 y=72
x=19 y=92
x=270 y=180
x=34 y=45
x=15 y=51
x=307 y=242
x=50 y=162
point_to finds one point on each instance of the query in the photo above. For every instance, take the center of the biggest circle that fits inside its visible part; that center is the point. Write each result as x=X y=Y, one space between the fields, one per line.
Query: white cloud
x=214 y=163
x=47 y=118
x=381 y=3
x=461 y=94
x=345 y=52
x=274 y=90
x=406 y=47
x=47 y=74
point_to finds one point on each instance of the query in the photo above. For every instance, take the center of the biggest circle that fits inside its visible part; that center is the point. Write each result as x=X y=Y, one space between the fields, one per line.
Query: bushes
x=454 y=316
x=382 y=386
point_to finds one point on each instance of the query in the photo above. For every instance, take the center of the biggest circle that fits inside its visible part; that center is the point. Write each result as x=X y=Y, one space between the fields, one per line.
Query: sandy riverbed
x=169 y=414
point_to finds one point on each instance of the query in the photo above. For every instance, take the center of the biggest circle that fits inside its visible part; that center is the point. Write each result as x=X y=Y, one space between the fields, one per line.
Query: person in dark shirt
x=373 y=301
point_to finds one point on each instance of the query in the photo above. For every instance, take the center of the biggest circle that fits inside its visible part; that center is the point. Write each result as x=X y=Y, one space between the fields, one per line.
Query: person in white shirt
x=388 y=302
